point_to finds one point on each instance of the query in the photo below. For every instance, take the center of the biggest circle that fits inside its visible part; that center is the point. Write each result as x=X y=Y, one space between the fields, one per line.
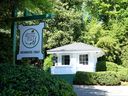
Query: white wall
x=74 y=64
x=91 y=63
x=62 y=70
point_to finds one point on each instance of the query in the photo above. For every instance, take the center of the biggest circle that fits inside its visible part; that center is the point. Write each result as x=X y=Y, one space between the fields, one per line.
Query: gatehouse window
x=65 y=59
x=83 y=59
x=55 y=59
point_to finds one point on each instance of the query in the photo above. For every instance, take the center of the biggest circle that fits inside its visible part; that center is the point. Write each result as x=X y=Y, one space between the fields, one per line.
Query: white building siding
x=92 y=61
x=88 y=68
x=62 y=70
x=74 y=64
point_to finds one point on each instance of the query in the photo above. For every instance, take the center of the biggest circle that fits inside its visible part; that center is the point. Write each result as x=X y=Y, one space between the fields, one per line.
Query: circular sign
x=30 y=38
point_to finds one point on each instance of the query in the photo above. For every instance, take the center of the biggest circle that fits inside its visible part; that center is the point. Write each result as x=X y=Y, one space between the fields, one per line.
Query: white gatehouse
x=75 y=57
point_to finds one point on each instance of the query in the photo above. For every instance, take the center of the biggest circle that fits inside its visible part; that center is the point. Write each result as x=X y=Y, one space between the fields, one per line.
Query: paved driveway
x=101 y=90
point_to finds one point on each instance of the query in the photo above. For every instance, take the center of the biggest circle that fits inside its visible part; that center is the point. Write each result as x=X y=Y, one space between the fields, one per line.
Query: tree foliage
x=24 y=80
x=102 y=23
x=125 y=56
x=111 y=48
x=5 y=48
x=94 y=30
x=48 y=62
x=67 y=26
x=57 y=39
x=34 y=6
x=108 y=26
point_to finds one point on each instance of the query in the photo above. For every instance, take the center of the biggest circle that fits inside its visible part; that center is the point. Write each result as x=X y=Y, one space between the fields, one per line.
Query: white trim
x=63 y=66
x=63 y=52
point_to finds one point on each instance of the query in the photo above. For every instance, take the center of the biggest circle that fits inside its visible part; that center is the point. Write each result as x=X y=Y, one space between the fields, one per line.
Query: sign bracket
x=14 y=20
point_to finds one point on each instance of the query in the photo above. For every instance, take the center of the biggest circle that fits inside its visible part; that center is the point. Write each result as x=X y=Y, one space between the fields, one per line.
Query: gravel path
x=101 y=90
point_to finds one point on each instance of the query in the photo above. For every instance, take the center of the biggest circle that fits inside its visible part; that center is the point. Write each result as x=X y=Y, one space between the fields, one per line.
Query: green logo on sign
x=30 y=38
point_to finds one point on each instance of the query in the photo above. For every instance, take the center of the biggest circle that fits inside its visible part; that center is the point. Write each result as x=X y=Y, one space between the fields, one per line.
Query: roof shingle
x=75 y=47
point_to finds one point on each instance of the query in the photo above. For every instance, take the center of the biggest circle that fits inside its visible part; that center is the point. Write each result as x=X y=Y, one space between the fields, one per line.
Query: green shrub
x=48 y=63
x=124 y=56
x=5 y=48
x=108 y=78
x=96 y=78
x=106 y=66
x=123 y=74
x=24 y=80
x=110 y=66
x=88 y=78
x=101 y=66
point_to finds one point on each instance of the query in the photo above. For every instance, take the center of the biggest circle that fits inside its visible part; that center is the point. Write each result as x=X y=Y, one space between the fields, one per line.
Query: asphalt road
x=101 y=90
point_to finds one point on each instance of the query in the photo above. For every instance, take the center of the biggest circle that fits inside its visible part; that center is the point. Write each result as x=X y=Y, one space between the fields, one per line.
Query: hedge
x=109 y=74
x=123 y=74
x=110 y=66
x=101 y=66
x=107 y=66
x=124 y=56
x=48 y=62
x=97 y=78
x=24 y=80
x=5 y=48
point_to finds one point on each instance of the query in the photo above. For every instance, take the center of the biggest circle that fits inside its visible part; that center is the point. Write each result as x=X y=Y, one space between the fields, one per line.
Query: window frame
x=55 y=59
x=83 y=59
x=63 y=60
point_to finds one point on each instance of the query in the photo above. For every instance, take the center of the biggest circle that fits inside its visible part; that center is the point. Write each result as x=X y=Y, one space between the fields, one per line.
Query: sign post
x=26 y=43
x=13 y=34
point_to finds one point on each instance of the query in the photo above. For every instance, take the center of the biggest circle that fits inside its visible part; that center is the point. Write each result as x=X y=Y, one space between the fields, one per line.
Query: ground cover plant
x=109 y=73
x=22 y=80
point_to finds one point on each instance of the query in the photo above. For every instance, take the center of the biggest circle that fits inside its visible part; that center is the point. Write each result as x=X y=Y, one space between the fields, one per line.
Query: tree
x=106 y=10
x=57 y=39
x=94 y=30
x=66 y=27
x=34 y=6
x=124 y=56
x=111 y=48
x=102 y=23
x=107 y=26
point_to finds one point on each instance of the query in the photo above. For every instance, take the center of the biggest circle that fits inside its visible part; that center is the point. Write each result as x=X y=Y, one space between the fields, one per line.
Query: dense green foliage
x=101 y=66
x=110 y=74
x=107 y=66
x=121 y=71
x=34 y=6
x=97 y=78
x=48 y=62
x=108 y=27
x=28 y=81
x=123 y=74
x=5 y=48
x=102 y=23
x=66 y=27
x=125 y=56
